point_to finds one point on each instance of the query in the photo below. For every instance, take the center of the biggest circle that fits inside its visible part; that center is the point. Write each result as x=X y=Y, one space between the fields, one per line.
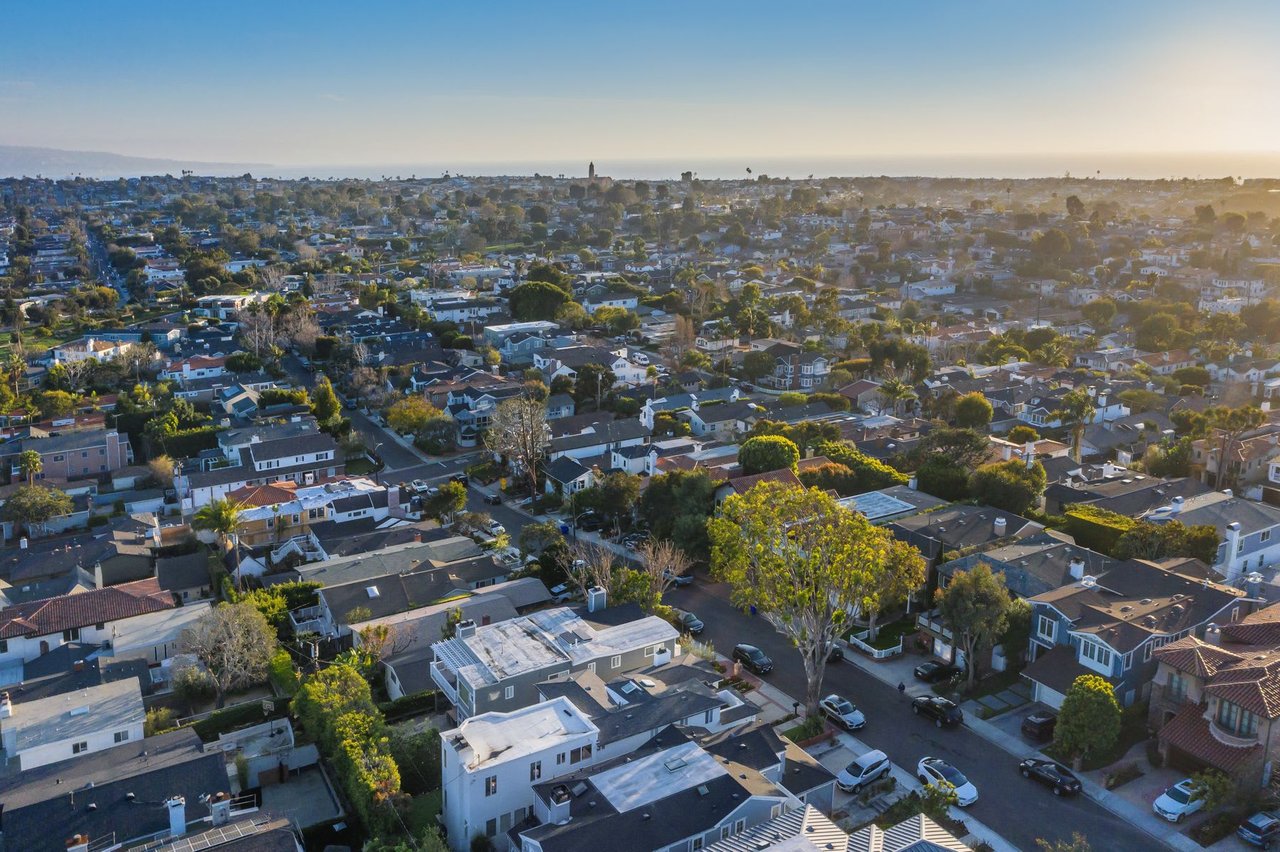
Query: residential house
x=1249 y=532
x=796 y=368
x=565 y=476
x=195 y=367
x=1112 y=624
x=808 y=830
x=65 y=726
x=305 y=458
x=724 y=420
x=498 y=667
x=74 y=455
x=1213 y=699
x=598 y=439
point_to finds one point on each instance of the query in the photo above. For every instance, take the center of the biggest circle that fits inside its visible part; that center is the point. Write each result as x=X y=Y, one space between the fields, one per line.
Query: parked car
x=943 y=711
x=689 y=623
x=935 y=671
x=590 y=522
x=420 y=486
x=1051 y=774
x=1039 y=725
x=1262 y=829
x=493 y=499
x=863 y=770
x=460 y=477
x=561 y=593
x=492 y=527
x=843 y=712
x=634 y=540
x=836 y=654
x=677 y=579
x=932 y=770
x=1178 y=802
x=753 y=658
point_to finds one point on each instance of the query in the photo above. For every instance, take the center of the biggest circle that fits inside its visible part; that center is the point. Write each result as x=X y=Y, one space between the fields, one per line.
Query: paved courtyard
x=305 y=797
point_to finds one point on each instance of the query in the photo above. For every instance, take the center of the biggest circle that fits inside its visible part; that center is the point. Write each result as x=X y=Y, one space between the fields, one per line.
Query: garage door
x=1048 y=696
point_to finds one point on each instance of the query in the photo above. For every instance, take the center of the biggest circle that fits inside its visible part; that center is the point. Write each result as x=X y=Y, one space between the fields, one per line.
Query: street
x=1020 y=810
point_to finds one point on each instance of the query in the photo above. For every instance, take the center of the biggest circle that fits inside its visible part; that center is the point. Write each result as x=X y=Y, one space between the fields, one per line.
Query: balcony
x=308 y=619
x=304 y=545
x=446 y=679
x=932 y=622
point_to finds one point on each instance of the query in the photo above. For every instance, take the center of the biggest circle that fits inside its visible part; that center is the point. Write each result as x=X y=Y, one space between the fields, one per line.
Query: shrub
x=1095 y=528
x=158 y=720
x=242 y=771
x=282 y=673
x=193 y=685
x=229 y=719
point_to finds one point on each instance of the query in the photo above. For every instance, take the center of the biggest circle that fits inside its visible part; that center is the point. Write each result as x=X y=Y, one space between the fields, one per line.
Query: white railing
x=930 y=621
x=305 y=545
x=858 y=640
x=307 y=619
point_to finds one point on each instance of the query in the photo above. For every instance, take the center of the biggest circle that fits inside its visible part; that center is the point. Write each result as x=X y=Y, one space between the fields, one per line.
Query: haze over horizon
x=1081 y=88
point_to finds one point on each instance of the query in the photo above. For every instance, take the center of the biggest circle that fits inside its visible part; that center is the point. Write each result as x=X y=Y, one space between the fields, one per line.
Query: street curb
x=1108 y=800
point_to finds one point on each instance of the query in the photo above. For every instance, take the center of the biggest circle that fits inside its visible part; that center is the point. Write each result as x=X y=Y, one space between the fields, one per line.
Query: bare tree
x=592 y=564
x=385 y=641
x=76 y=371
x=257 y=329
x=519 y=432
x=300 y=327
x=662 y=562
x=234 y=642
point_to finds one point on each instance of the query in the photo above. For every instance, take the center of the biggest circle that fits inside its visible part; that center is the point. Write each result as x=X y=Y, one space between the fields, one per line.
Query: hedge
x=229 y=719
x=408 y=706
x=282 y=673
x=1096 y=529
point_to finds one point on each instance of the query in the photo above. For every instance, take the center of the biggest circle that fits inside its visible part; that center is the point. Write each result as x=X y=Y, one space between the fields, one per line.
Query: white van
x=640 y=359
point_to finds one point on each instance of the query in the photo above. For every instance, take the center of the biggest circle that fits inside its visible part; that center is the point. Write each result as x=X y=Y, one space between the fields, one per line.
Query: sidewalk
x=899 y=670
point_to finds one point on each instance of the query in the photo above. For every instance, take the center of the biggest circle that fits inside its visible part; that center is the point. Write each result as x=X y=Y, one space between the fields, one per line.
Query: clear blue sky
x=301 y=83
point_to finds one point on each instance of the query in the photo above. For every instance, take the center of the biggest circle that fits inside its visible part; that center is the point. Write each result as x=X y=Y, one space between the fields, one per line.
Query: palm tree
x=894 y=391
x=1076 y=410
x=31 y=464
x=222 y=516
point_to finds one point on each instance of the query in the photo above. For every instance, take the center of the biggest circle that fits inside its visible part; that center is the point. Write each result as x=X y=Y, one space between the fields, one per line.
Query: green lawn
x=423 y=810
x=890 y=634
x=360 y=466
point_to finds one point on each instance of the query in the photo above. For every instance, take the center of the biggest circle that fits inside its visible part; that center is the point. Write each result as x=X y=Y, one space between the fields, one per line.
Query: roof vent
x=373 y=591
x=675 y=764
x=1145 y=601
x=703 y=791
x=1126 y=608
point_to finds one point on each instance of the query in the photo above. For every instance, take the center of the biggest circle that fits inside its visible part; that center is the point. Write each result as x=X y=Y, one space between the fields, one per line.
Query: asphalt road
x=1020 y=810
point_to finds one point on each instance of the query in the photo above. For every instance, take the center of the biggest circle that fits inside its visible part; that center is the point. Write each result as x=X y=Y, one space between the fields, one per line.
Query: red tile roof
x=1196 y=657
x=53 y=615
x=743 y=484
x=1189 y=731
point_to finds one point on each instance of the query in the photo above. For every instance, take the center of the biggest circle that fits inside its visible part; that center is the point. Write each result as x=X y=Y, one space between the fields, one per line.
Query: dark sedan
x=943 y=711
x=689 y=623
x=753 y=658
x=935 y=671
x=1053 y=775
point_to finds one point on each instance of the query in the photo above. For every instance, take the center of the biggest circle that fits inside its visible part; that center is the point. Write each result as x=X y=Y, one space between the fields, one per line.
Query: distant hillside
x=19 y=161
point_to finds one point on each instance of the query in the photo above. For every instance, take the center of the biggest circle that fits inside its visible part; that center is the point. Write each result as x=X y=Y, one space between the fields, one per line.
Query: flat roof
x=656 y=776
x=111 y=706
x=506 y=736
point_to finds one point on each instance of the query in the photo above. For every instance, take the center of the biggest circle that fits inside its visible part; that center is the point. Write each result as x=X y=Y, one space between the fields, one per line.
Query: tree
x=429 y=841
x=973 y=411
x=33 y=505
x=975 y=608
x=1077 y=410
x=222 y=516
x=410 y=415
x=31 y=464
x=591 y=383
x=1077 y=843
x=804 y=561
x=324 y=402
x=893 y=392
x=1089 y=719
x=234 y=642
x=1214 y=786
x=1100 y=312
x=1008 y=485
x=1017 y=631
x=676 y=506
x=967 y=449
x=661 y=561
x=519 y=432
x=757 y=364
x=1022 y=435
x=1075 y=207
x=161 y=469
x=447 y=502
x=536 y=300
x=767 y=452
x=1157 y=332
x=1231 y=424
x=905 y=571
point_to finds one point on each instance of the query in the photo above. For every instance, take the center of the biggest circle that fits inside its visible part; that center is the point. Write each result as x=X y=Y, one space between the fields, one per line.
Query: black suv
x=1262 y=829
x=935 y=671
x=943 y=711
x=753 y=658
x=1053 y=775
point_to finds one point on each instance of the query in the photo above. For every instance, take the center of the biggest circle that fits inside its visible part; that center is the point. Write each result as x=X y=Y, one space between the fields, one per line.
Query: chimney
x=97 y=575
x=6 y=707
x=465 y=628
x=417 y=536
x=999 y=526
x=1176 y=505
x=1006 y=451
x=78 y=843
x=597 y=599
x=1253 y=584
x=1213 y=634
x=1232 y=549
x=1076 y=568
x=22 y=543
x=177 y=807
x=220 y=808
x=913 y=483
x=1228 y=492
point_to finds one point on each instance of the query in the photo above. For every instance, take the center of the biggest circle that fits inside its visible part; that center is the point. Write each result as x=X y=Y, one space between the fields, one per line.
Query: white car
x=494 y=528
x=932 y=770
x=842 y=712
x=420 y=486
x=1178 y=801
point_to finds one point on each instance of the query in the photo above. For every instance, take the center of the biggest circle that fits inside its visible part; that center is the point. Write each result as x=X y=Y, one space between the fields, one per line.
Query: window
x=1265 y=535
x=740 y=826
x=4 y=646
x=491 y=828
x=509 y=693
x=1177 y=686
x=560 y=759
x=101 y=625
x=580 y=754
x=615 y=662
x=1094 y=651
x=80 y=747
x=697 y=844
x=724 y=832
x=1234 y=719
x=1046 y=628
x=72 y=635
x=491 y=785
x=591 y=667
x=535 y=770
x=122 y=736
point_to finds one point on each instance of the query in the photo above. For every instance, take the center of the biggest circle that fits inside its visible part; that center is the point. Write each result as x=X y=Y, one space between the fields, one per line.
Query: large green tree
x=34 y=505
x=975 y=607
x=764 y=453
x=676 y=506
x=804 y=561
x=973 y=411
x=324 y=402
x=1008 y=485
x=1076 y=410
x=1089 y=719
x=536 y=300
x=234 y=643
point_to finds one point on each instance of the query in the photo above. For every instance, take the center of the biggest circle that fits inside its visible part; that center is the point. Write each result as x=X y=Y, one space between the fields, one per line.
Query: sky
x=309 y=83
